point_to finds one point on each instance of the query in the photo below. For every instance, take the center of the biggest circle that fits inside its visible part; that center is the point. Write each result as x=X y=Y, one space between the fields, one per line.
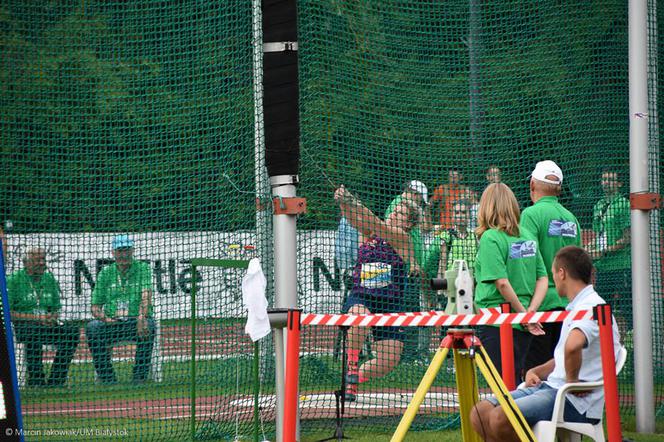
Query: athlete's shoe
x=351 y=393
x=352 y=379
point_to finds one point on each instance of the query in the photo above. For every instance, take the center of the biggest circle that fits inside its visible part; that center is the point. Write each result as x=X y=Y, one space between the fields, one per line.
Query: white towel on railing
x=253 y=296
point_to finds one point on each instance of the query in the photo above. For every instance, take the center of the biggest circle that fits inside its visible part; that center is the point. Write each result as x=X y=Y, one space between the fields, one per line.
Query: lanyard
x=122 y=282
x=36 y=292
x=602 y=213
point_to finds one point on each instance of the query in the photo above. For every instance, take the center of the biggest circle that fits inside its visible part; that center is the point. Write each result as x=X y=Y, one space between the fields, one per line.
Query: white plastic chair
x=156 y=370
x=546 y=431
x=20 y=358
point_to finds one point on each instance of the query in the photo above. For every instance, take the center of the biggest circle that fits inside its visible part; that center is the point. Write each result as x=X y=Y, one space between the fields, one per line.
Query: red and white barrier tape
x=429 y=319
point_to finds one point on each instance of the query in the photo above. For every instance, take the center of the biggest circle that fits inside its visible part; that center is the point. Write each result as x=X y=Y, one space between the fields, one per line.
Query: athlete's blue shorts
x=379 y=304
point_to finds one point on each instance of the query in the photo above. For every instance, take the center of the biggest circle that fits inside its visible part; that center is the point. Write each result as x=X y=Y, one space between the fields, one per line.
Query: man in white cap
x=417 y=192
x=553 y=227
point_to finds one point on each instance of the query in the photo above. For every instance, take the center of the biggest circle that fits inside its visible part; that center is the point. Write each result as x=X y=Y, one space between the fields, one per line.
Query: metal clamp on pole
x=289 y=206
x=278 y=317
x=280 y=46
x=645 y=201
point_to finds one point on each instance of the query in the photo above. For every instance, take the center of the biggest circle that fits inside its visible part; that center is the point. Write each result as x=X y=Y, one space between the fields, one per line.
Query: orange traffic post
x=292 y=374
x=602 y=314
x=507 y=350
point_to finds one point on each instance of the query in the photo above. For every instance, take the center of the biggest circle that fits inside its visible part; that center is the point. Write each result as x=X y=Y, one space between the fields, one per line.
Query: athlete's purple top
x=379 y=270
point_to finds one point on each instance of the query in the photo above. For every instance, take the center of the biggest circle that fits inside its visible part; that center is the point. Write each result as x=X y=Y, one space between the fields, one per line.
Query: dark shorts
x=490 y=337
x=536 y=404
x=379 y=305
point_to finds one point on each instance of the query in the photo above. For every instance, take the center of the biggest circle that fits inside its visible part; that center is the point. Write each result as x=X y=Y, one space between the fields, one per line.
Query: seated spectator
x=121 y=306
x=577 y=358
x=34 y=303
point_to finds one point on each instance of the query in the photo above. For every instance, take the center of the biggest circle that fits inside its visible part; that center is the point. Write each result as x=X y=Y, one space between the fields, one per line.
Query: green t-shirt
x=553 y=227
x=611 y=216
x=27 y=296
x=415 y=234
x=457 y=248
x=502 y=256
x=118 y=292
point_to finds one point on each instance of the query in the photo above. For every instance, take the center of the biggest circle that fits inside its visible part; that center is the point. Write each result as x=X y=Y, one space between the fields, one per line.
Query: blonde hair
x=499 y=210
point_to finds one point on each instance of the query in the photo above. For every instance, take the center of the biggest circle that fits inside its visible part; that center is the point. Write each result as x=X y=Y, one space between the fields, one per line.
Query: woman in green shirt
x=508 y=268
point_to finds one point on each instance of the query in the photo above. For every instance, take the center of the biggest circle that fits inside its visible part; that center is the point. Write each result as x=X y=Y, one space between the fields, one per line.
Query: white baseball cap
x=546 y=168
x=421 y=188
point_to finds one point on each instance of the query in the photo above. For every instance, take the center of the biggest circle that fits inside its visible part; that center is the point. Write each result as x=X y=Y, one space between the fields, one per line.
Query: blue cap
x=122 y=242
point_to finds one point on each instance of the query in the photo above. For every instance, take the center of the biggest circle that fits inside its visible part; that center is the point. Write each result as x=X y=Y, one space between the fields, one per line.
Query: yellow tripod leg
x=467 y=391
x=504 y=397
x=420 y=393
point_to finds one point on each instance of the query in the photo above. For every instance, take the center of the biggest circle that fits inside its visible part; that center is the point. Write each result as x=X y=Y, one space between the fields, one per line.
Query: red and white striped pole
x=507 y=350
x=292 y=375
x=602 y=314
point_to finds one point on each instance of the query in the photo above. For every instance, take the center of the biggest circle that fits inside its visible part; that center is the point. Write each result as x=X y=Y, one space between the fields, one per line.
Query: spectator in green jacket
x=34 y=303
x=610 y=249
x=121 y=306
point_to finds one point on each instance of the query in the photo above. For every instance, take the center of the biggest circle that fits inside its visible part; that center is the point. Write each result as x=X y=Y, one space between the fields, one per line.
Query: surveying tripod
x=468 y=353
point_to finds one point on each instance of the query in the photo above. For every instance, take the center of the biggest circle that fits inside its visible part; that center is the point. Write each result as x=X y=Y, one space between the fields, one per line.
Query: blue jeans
x=536 y=404
x=102 y=335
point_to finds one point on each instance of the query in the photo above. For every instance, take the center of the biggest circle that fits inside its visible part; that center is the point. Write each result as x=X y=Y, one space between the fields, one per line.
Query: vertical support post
x=257 y=390
x=640 y=222
x=654 y=169
x=192 y=396
x=285 y=281
x=292 y=375
x=602 y=314
x=14 y=419
x=507 y=350
x=281 y=126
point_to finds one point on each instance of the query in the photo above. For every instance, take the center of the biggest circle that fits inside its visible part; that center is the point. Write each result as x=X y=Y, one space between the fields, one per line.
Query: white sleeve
x=589 y=328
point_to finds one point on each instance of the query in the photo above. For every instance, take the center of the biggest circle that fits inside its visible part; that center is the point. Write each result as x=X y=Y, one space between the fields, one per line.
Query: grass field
x=178 y=430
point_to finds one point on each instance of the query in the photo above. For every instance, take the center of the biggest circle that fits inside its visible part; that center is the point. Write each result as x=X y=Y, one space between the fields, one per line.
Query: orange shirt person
x=445 y=195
